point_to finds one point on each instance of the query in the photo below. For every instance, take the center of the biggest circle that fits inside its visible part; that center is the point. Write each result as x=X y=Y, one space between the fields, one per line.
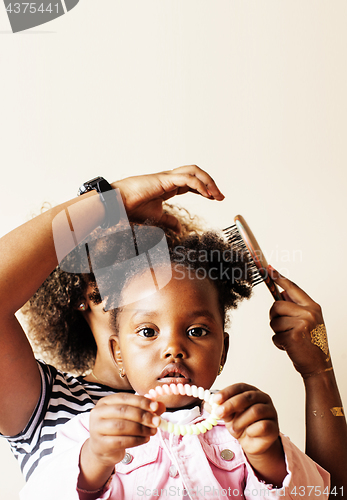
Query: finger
x=111 y=413
x=290 y=333
x=286 y=308
x=131 y=400
x=231 y=391
x=125 y=401
x=303 y=320
x=295 y=293
x=285 y=296
x=204 y=177
x=171 y=183
x=289 y=338
x=259 y=436
x=240 y=403
x=256 y=413
x=173 y=193
x=122 y=427
x=123 y=442
x=302 y=323
x=281 y=324
x=263 y=428
x=179 y=191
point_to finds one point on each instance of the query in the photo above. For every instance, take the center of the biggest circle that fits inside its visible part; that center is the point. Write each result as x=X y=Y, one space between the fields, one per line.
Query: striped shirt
x=62 y=397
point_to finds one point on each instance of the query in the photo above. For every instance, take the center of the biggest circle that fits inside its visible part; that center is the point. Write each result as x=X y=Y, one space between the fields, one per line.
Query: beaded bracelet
x=185 y=390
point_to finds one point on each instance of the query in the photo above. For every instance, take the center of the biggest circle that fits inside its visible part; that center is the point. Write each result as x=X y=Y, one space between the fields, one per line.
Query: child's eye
x=147 y=332
x=197 y=331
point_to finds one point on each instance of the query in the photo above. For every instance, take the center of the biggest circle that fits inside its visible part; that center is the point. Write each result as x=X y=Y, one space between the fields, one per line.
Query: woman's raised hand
x=144 y=195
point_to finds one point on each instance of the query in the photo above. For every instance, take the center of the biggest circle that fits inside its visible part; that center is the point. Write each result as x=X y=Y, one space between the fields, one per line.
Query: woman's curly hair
x=59 y=331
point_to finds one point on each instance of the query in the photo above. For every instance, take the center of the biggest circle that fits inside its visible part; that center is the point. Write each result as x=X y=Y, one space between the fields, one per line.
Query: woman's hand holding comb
x=299 y=328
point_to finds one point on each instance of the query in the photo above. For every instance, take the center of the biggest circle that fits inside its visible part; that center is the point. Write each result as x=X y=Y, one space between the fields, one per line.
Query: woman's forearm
x=28 y=253
x=326 y=429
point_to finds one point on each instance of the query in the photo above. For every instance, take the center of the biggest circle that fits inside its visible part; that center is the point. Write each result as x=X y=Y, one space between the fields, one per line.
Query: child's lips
x=174 y=373
x=174 y=380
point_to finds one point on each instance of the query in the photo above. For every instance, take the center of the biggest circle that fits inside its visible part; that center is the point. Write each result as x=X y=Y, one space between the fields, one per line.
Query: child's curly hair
x=59 y=331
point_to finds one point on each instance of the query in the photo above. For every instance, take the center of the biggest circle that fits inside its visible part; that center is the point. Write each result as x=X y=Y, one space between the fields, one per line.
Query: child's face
x=173 y=336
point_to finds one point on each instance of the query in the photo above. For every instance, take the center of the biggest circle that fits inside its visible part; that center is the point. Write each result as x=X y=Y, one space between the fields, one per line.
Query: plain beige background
x=252 y=91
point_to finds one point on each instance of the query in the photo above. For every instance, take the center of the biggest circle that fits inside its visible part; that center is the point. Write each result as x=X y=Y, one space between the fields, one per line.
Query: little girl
x=176 y=336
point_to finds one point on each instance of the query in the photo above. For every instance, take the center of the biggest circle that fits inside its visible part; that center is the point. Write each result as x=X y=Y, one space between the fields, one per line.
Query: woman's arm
x=295 y=322
x=326 y=430
x=28 y=256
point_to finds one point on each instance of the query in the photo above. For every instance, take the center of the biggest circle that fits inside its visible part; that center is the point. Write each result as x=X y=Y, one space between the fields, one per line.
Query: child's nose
x=174 y=348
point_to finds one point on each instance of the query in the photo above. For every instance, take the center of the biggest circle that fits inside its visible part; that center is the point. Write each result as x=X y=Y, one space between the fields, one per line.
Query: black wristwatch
x=108 y=196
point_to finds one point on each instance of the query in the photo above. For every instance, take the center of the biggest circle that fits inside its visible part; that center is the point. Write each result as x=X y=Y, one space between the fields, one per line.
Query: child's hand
x=122 y=421
x=144 y=195
x=251 y=418
x=117 y=422
x=293 y=320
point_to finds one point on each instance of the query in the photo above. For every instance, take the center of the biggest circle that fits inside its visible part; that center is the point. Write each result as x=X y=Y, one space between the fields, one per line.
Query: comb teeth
x=234 y=238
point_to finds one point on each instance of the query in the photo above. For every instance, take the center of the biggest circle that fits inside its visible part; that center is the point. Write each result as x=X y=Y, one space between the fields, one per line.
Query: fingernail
x=217 y=398
x=219 y=411
x=273 y=272
x=153 y=406
x=156 y=421
x=209 y=193
x=220 y=196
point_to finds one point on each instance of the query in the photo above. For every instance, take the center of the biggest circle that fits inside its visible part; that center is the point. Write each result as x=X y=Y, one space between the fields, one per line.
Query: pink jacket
x=206 y=466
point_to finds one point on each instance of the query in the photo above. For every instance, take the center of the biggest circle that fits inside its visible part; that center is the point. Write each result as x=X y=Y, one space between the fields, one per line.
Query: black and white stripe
x=62 y=397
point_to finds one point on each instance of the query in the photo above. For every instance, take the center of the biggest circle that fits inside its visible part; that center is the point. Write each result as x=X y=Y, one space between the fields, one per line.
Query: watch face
x=84 y=189
x=98 y=183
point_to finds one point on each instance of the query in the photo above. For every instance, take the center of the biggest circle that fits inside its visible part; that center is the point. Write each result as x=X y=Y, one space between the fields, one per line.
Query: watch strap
x=108 y=197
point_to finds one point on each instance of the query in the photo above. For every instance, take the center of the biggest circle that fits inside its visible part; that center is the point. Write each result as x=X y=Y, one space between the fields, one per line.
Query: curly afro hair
x=59 y=331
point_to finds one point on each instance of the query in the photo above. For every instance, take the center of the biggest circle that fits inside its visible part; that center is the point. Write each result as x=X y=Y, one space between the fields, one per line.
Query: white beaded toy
x=185 y=390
